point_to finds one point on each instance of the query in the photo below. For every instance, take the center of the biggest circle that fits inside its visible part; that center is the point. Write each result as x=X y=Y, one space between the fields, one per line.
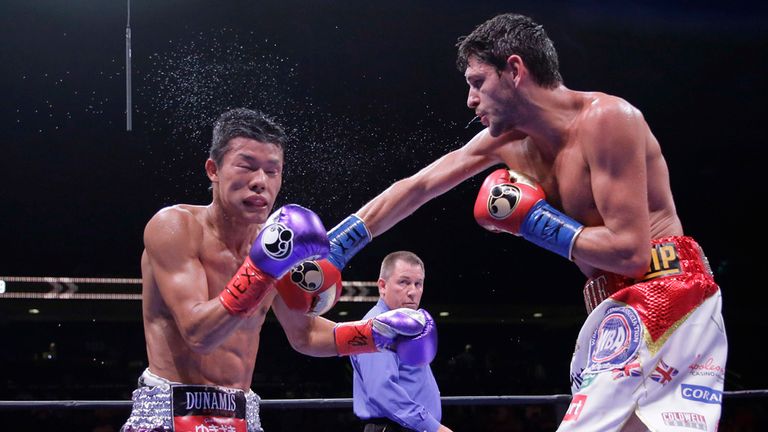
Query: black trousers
x=383 y=425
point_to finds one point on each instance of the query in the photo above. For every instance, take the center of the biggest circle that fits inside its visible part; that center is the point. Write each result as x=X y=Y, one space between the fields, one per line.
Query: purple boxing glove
x=421 y=349
x=291 y=234
x=410 y=333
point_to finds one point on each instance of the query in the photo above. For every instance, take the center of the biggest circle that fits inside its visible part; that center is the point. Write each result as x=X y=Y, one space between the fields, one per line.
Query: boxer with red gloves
x=605 y=167
x=513 y=203
x=290 y=235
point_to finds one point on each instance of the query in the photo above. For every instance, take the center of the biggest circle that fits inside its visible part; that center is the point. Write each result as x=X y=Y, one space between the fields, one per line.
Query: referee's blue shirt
x=382 y=387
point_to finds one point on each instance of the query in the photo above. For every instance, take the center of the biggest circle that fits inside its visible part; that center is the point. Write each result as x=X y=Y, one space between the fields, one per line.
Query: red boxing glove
x=246 y=289
x=312 y=287
x=511 y=202
x=505 y=199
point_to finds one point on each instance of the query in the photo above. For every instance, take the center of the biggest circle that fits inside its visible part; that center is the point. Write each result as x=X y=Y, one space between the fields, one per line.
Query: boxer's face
x=491 y=95
x=248 y=179
x=404 y=286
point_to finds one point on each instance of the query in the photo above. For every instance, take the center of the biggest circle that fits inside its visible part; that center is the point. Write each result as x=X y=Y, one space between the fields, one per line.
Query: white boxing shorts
x=651 y=356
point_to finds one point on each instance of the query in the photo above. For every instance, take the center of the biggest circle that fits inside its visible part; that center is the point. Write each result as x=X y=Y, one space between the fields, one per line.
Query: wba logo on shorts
x=701 y=394
x=616 y=339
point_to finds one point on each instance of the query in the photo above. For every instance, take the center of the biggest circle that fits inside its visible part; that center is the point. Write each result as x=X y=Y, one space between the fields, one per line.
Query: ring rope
x=66 y=288
x=123 y=281
x=343 y=402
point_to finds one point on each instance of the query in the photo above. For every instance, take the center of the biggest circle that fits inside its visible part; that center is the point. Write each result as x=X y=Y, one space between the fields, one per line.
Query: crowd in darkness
x=103 y=362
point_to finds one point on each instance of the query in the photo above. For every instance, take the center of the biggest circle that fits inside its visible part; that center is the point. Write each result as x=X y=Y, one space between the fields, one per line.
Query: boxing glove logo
x=277 y=241
x=502 y=200
x=308 y=276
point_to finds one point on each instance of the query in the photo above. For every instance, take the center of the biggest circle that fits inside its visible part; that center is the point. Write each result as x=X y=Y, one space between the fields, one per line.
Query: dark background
x=369 y=93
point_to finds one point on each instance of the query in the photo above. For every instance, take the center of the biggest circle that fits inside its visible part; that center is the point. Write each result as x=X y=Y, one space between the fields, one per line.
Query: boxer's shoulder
x=179 y=214
x=174 y=226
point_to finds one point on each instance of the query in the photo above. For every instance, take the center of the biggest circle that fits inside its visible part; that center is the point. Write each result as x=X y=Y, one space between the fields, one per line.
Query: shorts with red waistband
x=651 y=354
x=678 y=279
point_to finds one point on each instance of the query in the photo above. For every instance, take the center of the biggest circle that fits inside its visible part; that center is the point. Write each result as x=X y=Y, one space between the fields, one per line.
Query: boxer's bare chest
x=566 y=180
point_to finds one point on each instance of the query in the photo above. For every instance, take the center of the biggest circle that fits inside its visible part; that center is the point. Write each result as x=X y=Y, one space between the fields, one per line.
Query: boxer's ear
x=212 y=170
x=514 y=67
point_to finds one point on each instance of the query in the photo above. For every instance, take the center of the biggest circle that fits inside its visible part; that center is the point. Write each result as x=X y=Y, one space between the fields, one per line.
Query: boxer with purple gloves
x=210 y=276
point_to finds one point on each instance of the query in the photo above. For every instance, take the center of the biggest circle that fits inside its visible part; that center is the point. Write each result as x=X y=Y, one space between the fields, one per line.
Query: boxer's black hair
x=493 y=41
x=247 y=123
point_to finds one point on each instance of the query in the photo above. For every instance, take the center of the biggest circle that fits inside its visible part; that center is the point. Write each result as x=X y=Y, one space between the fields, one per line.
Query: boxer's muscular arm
x=307 y=334
x=172 y=239
x=615 y=150
x=407 y=195
x=410 y=334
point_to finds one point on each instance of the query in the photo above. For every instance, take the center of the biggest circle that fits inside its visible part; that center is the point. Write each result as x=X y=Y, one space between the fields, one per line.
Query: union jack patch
x=631 y=369
x=663 y=373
